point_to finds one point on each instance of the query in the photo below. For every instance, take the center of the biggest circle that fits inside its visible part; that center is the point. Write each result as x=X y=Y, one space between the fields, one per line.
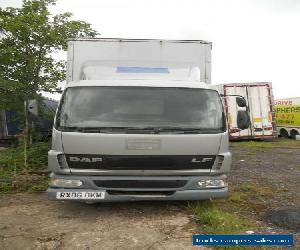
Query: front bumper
x=189 y=191
x=177 y=195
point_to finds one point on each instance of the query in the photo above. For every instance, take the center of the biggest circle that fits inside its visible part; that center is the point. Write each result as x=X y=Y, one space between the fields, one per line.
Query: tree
x=29 y=37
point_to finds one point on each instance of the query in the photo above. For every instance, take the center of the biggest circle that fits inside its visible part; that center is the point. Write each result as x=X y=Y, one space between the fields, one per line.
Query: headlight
x=62 y=162
x=212 y=183
x=64 y=183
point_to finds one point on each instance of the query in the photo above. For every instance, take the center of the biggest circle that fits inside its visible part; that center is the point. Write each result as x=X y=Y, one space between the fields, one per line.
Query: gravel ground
x=30 y=221
x=276 y=170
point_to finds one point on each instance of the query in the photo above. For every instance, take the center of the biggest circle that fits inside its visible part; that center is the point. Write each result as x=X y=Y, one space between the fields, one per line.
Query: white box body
x=98 y=59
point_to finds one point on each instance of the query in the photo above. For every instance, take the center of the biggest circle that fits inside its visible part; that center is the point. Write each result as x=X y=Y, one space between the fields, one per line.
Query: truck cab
x=139 y=132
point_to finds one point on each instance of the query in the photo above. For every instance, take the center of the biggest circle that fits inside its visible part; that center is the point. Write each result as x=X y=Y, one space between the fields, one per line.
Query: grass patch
x=249 y=197
x=13 y=174
x=237 y=197
x=275 y=143
x=256 y=190
x=222 y=217
x=231 y=215
x=214 y=220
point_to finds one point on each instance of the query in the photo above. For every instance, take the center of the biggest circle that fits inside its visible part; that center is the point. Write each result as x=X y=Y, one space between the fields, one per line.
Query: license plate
x=80 y=195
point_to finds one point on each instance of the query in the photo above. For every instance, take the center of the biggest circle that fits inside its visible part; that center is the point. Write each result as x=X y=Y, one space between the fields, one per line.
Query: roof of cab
x=142 y=83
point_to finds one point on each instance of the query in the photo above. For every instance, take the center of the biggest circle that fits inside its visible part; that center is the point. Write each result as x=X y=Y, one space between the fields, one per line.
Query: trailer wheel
x=294 y=133
x=283 y=133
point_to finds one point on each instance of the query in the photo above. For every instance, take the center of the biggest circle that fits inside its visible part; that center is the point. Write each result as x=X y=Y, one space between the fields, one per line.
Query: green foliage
x=6 y=180
x=9 y=96
x=14 y=157
x=38 y=155
x=38 y=184
x=15 y=177
x=29 y=36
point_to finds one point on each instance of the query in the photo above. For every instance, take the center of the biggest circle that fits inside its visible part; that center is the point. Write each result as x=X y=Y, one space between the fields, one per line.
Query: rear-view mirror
x=241 y=102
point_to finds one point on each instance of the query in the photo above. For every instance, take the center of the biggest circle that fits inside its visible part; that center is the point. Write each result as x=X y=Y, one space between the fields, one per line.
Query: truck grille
x=140 y=183
x=141 y=162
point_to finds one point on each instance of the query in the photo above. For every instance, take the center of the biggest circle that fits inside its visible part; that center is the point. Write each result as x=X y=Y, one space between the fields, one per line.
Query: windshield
x=140 y=107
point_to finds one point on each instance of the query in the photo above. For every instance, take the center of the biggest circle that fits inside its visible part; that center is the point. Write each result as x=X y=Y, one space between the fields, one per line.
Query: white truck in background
x=288 y=116
x=139 y=120
x=260 y=106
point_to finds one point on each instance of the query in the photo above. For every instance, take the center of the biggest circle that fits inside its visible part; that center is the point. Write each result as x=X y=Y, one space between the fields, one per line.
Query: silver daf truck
x=139 y=120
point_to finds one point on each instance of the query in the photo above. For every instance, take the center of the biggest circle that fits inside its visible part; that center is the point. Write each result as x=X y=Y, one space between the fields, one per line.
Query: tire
x=294 y=133
x=283 y=133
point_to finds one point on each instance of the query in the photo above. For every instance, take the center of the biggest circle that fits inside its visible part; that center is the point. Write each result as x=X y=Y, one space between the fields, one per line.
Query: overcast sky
x=253 y=40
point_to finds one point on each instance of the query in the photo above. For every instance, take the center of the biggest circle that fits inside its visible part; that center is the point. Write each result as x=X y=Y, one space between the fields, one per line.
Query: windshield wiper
x=84 y=129
x=103 y=129
x=67 y=129
x=185 y=130
x=138 y=130
x=181 y=130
